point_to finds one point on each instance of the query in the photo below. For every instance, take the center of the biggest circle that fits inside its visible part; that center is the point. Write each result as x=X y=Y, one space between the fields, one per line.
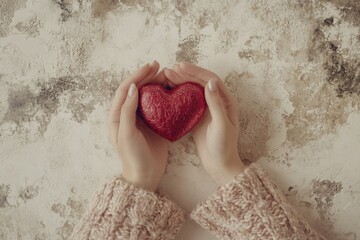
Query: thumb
x=214 y=101
x=128 y=110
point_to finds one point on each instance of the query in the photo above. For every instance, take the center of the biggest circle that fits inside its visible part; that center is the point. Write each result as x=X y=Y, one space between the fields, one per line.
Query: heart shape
x=171 y=113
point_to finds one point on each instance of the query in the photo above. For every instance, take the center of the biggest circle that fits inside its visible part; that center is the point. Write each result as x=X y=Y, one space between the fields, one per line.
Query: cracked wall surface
x=293 y=66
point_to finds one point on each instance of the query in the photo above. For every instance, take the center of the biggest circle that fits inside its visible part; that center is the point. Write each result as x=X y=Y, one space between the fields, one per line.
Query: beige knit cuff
x=251 y=207
x=128 y=212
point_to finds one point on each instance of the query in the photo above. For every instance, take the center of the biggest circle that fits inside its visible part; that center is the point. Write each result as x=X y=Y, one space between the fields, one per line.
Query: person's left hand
x=143 y=153
x=216 y=135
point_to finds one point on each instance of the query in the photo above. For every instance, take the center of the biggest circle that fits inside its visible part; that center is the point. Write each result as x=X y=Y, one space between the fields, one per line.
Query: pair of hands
x=144 y=154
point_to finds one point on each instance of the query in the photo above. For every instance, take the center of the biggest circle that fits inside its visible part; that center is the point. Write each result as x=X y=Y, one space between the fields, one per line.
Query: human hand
x=216 y=136
x=143 y=153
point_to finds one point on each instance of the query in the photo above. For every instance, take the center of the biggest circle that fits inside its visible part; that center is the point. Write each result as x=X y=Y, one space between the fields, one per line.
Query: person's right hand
x=216 y=136
x=143 y=153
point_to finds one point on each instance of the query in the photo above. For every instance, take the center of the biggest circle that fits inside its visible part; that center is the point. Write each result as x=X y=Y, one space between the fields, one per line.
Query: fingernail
x=212 y=86
x=132 y=89
x=153 y=63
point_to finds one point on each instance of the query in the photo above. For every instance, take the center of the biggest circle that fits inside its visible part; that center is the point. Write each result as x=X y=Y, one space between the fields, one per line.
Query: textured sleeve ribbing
x=252 y=207
x=120 y=210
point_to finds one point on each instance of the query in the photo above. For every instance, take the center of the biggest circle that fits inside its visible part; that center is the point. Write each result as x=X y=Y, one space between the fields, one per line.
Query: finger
x=198 y=72
x=160 y=77
x=173 y=76
x=139 y=78
x=144 y=73
x=120 y=95
x=128 y=112
x=188 y=77
x=229 y=102
x=163 y=80
x=205 y=75
x=214 y=102
x=153 y=72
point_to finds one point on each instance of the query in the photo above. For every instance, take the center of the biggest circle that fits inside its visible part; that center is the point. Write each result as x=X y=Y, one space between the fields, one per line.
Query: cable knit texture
x=252 y=207
x=121 y=210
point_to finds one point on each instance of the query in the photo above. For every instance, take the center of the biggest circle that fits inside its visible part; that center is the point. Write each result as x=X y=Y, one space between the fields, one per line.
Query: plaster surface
x=294 y=67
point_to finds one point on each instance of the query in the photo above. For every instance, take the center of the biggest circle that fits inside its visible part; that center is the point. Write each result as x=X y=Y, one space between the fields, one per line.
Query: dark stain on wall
x=28 y=192
x=253 y=119
x=7 y=9
x=79 y=93
x=188 y=49
x=350 y=236
x=321 y=98
x=76 y=207
x=65 y=230
x=184 y=145
x=317 y=109
x=66 y=8
x=350 y=9
x=30 y=27
x=59 y=208
x=21 y=105
x=4 y=194
x=146 y=6
x=324 y=192
x=101 y=7
x=342 y=71
x=227 y=39
x=329 y=21
x=183 y=5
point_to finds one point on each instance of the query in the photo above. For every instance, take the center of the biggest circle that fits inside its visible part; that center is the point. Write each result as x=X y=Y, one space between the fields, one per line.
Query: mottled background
x=294 y=67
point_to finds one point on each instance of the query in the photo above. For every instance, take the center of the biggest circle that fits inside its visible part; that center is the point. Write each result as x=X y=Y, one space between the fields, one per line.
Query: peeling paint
x=28 y=192
x=101 y=7
x=82 y=94
x=31 y=27
x=324 y=192
x=59 y=209
x=7 y=9
x=65 y=230
x=4 y=194
x=67 y=8
x=350 y=9
x=253 y=119
x=188 y=49
x=227 y=38
x=322 y=107
x=77 y=207
x=318 y=111
x=183 y=5
x=342 y=72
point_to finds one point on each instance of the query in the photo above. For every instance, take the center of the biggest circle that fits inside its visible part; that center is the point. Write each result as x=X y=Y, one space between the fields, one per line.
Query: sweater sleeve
x=120 y=210
x=252 y=207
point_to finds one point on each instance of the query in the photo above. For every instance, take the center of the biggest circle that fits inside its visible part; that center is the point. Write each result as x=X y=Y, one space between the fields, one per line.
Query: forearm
x=122 y=210
x=252 y=207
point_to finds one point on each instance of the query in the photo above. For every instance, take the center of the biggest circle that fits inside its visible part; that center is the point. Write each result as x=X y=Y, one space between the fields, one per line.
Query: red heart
x=171 y=113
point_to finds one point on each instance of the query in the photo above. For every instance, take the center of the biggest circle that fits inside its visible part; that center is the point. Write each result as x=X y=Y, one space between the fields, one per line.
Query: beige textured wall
x=293 y=66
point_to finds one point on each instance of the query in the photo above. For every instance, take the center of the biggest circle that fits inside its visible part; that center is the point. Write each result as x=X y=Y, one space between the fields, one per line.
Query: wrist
x=147 y=183
x=228 y=171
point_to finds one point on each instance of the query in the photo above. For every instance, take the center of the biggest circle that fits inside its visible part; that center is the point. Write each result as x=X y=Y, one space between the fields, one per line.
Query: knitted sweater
x=249 y=207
